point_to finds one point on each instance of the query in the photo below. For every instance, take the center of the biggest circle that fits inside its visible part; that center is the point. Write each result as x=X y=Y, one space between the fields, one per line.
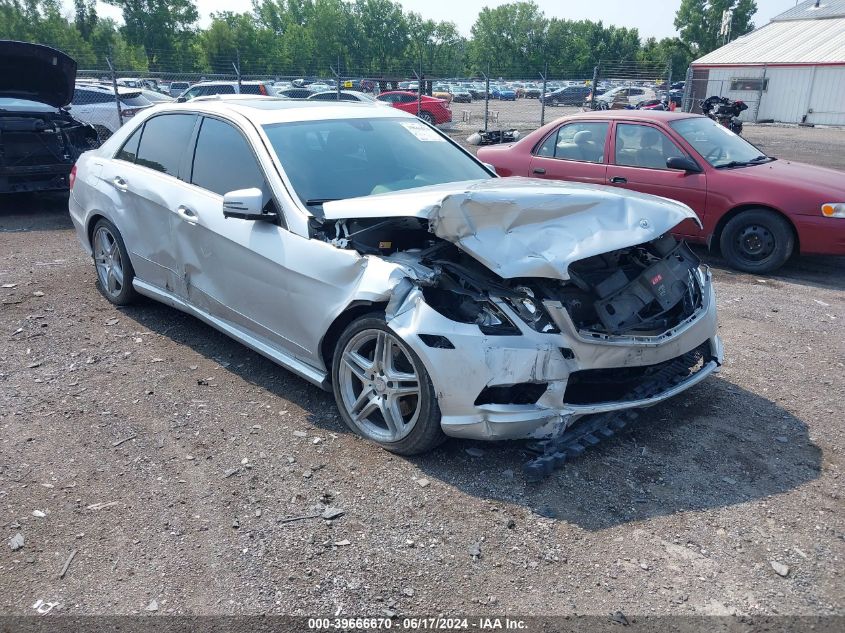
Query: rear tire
x=757 y=241
x=382 y=389
x=427 y=116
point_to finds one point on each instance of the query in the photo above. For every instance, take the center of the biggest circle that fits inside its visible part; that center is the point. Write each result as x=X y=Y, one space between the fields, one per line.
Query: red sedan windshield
x=717 y=144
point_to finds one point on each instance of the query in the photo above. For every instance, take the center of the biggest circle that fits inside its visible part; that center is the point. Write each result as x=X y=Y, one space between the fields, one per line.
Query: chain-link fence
x=493 y=99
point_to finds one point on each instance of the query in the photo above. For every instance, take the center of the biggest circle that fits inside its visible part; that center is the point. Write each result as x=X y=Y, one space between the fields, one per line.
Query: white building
x=790 y=70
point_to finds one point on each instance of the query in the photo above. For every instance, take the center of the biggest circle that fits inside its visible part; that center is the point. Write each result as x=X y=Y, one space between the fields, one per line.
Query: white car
x=95 y=103
x=367 y=252
x=208 y=88
x=625 y=95
x=345 y=95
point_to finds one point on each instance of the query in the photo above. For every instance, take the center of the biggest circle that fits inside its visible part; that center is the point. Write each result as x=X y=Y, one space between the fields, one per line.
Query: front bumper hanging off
x=545 y=362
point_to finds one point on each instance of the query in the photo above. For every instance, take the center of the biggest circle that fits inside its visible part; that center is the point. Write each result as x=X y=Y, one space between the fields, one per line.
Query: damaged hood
x=36 y=72
x=525 y=227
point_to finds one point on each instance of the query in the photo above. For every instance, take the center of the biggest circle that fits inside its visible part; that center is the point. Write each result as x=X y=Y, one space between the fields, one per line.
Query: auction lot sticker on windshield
x=422 y=131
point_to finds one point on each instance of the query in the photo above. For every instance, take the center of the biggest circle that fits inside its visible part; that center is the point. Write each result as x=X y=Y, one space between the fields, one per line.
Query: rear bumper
x=819 y=235
x=35 y=178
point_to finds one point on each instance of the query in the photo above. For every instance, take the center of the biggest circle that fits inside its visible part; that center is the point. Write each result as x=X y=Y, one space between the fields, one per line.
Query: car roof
x=268 y=110
x=101 y=87
x=222 y=82
x=642 y=115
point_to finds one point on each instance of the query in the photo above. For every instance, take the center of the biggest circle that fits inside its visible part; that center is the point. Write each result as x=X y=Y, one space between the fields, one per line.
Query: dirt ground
x=167 y=457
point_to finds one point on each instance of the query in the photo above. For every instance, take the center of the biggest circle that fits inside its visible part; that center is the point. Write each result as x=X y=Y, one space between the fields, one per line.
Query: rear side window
x=129 y=151
x=581 y=141
x=250 y=89
x=165 y=138
x=135 y=100
x=83 y=97
x=239 y=169
x=223 y=89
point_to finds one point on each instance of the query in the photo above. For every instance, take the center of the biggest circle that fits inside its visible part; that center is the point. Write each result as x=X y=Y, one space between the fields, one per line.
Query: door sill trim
x=290 y=363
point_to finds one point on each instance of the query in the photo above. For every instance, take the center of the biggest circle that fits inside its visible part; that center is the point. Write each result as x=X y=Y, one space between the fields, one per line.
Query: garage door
x=827 y=98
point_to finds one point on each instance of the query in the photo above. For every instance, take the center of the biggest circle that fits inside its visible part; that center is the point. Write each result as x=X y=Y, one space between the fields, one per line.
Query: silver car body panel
x=277 y=290
x=524 y=227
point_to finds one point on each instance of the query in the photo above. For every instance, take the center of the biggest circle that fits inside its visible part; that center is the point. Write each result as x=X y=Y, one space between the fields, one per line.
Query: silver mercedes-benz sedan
x=365 y=251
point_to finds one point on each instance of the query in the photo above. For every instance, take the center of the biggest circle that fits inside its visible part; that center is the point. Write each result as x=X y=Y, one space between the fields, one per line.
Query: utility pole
x=237 y=65
x=336 y=73
x=486 y=95
x=544 y=77
x=114 y=87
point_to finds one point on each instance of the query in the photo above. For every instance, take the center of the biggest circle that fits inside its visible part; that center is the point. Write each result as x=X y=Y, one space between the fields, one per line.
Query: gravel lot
x=166 y=456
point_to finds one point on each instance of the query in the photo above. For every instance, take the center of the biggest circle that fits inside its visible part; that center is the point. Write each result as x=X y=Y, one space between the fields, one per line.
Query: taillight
x=72 y=178
x=128 y=113
x=262 y=89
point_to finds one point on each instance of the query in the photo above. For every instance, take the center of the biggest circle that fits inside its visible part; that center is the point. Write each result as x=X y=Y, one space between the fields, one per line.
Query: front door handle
x=539 y=170
x=120 y=184
x=186 y=214
x=619 y=180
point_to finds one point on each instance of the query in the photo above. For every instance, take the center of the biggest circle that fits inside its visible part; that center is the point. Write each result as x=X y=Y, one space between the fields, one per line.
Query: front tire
x=757 y=241
x=428 y=117
x=111 y=261
x=383 y=390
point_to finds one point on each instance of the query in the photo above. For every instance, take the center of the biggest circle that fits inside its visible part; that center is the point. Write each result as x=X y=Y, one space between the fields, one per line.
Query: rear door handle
x=539 y=170
x=120 y=183
x=186 y=214
x=619 y=180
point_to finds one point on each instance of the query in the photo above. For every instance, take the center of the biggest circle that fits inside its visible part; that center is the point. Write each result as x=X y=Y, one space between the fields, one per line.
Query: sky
x=653 y=18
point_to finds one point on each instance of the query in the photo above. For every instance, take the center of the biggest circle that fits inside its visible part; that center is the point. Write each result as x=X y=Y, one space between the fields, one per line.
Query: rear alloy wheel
x=383 y=390
x=114 y=270
x=427 y=116
x=757 y=241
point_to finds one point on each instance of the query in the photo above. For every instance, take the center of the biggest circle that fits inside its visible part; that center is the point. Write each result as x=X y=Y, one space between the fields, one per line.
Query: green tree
x=162 y=27
x=85 y=17
x=510 y=37
x=699 y=21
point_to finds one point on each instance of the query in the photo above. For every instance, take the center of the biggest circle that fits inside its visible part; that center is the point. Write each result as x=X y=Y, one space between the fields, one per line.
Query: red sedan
x=432 y=110
x=758 y=209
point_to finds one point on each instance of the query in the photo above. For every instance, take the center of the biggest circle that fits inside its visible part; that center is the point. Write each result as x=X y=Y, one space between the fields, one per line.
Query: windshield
x=347 y=158
x=717 y=144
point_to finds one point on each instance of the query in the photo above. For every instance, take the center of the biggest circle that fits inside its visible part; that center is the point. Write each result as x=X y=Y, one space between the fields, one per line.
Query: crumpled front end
x=533 y=304
x=534 y=382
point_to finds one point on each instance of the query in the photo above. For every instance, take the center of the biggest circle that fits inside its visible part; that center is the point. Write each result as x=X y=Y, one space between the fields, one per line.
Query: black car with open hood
x=39 y=139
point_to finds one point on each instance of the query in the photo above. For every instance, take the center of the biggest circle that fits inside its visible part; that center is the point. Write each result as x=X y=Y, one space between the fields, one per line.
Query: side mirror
x=246 y=204
x=490 y=167
x=683 y=163
x=181 y=100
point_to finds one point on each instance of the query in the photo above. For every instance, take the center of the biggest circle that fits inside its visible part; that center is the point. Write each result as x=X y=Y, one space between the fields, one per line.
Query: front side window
x=239 y=169
x=347 y=158
x=581 y=141
x=643 y=146
x=163 y=142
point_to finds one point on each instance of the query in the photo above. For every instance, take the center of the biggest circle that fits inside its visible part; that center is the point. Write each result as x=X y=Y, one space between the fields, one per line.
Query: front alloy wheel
x=383 y=390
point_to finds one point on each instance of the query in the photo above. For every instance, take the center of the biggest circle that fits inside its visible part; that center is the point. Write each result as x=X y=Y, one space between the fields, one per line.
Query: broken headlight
x=530 y=309
x=491 y=320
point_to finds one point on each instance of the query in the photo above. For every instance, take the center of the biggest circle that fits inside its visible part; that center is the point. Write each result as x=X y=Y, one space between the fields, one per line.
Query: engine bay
x=644 y=289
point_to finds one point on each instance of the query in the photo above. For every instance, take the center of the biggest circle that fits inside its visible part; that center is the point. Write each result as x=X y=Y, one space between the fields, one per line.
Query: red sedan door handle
x=538 y=170
x=619 y=180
